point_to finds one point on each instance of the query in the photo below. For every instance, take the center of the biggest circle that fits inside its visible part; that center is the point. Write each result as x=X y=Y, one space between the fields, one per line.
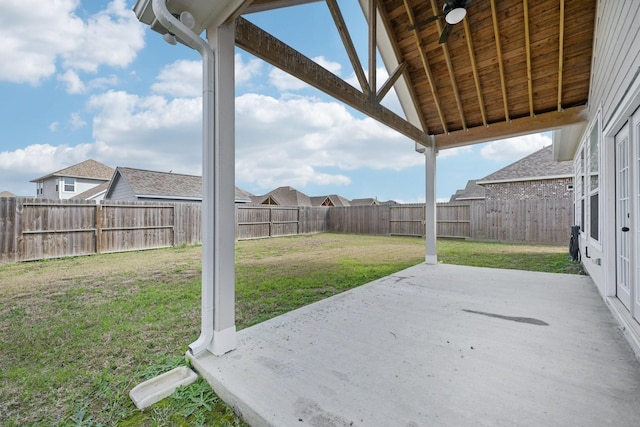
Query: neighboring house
x=330 y=200
x=605 y=150
x=365 y=202
x=471 y=192
x=283 y=196
x=74 y=180
x=7 y=194
x=536 y=176
x=153 y=186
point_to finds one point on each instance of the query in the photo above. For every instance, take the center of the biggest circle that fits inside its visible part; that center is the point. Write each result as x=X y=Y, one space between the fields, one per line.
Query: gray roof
x=472 y=191
x=537 y=165
x=330 y=200
x=7 y=194
x=89 y=169
x=365 y=202
x=284 y=196
x=168 y=185
x=92 y=191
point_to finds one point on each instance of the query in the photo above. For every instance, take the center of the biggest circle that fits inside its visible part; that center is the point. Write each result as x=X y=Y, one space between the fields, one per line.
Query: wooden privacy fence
x=32 y=229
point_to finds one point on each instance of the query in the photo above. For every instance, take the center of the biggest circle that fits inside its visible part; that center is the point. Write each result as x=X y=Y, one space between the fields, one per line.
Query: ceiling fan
x=453 y=12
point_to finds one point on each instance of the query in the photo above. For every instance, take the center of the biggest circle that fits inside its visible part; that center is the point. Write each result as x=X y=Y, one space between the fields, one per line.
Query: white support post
x=218 y=330
x=219 y=164
x=431 y=256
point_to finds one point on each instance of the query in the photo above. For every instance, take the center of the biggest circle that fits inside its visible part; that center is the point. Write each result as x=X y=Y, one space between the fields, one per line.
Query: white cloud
x=295 y=140
x=245 y=71
x=53 y=127
x=36 y=34
x=76 y=121
x=180 y=79
x=452 y=152
x=111 y=37
x=150 y=132
x=72 y=82
x=513 y=149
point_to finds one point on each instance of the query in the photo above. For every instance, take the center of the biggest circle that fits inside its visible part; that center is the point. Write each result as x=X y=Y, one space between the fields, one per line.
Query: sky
x=86 y=80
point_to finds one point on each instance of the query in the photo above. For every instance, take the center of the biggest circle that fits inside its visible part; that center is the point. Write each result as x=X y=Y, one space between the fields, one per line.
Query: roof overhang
x=566 y=141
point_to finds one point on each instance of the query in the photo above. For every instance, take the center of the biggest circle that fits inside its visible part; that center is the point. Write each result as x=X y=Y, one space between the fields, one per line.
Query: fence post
x=98 y=227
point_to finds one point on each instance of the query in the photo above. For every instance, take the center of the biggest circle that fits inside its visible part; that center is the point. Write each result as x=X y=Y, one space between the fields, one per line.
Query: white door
x=623 y=216
x=635 y=290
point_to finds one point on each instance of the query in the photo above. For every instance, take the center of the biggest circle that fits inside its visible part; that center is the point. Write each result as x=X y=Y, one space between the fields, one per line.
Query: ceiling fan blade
x=423 y=23
x=445 y=33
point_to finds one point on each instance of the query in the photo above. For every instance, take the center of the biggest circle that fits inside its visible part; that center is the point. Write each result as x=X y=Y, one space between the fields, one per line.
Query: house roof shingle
x=169 y=185
x=536 y=165
x=285 y=196
x=331 y=200
x=472 y=191
x=89 y=169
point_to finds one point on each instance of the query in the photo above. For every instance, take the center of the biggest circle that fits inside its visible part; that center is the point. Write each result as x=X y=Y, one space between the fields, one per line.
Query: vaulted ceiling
x=510 y=67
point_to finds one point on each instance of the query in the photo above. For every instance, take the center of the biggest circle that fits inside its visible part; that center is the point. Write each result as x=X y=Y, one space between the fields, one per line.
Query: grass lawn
x=76 y=334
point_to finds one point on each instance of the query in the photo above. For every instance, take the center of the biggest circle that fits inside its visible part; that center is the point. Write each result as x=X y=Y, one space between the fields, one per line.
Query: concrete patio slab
x=437 y=345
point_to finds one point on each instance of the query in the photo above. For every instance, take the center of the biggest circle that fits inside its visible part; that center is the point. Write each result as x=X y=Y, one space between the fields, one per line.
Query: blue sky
x=85 y=79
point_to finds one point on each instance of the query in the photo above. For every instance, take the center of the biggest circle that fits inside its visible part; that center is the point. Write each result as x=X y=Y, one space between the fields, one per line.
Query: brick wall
x=538 y=189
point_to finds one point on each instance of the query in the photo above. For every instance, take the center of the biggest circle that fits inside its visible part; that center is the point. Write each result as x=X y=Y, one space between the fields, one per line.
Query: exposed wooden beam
x=474 y=69
x=425 y=66
x=527 y=38
x=386 y=87
x=348 y=44
x=399 y=59
x=560 y=55
x=496 y=31
x=373 y=24
x=452 y=76
x=522 y=126
x=268 y=48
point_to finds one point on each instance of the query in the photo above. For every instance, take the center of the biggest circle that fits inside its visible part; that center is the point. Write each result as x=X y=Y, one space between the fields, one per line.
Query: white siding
x=120 y=190
x=616 y=54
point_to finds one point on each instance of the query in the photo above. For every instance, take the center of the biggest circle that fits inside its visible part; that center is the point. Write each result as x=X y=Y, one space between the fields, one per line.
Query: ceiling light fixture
x=455 y=15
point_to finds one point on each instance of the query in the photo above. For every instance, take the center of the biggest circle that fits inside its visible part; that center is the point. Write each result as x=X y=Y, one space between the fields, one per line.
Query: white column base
x=223 y=341
x=431 y=259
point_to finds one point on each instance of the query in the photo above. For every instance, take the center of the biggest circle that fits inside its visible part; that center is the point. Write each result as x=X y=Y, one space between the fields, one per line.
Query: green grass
x=77 y=334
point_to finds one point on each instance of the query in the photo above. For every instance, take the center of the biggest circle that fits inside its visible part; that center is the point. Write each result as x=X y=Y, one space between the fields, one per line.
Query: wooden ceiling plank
x=425 y=66
x=452 y=75
x=263 y=45
x=520 y=126
x=496 y=31
x=474 y=70
x=560 y=55
x=338 y=19
x=528 y=48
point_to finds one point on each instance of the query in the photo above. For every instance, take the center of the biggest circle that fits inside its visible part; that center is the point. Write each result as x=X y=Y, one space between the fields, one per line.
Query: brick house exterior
x=536 y=176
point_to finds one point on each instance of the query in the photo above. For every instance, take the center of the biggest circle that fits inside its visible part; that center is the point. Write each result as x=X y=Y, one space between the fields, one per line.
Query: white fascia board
x=385 y=47
x=566 y=141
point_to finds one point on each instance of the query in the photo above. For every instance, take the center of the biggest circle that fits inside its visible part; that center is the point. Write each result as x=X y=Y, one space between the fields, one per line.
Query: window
x=69 y=184
x=593 y=166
